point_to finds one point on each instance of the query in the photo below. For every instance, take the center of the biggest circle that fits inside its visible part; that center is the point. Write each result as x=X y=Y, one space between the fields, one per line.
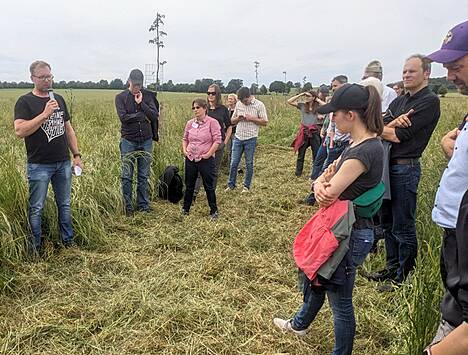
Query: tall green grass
x=154 y=284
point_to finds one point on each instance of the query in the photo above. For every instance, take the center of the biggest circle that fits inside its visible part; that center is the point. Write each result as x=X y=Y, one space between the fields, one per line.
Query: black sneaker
x=388 y=286
x=70 y=244
x=382 y=275
x=129 y=213
x=145 y=209
x=214 y=216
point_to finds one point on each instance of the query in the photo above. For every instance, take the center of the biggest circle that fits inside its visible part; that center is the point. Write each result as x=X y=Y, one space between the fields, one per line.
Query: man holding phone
x=249 y=114
x=138 y=113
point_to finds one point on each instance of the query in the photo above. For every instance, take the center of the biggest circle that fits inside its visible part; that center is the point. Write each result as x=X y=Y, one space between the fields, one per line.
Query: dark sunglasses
x=196 y=107
x=211 y=93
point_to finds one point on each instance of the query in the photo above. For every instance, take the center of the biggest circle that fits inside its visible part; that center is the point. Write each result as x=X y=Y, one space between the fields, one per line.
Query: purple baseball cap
x=454 y=46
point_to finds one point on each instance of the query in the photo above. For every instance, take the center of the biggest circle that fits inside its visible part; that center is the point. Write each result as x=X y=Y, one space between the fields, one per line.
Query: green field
x=158 y=284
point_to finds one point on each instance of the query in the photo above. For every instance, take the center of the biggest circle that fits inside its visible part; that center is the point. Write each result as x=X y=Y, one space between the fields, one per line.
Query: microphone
x=52 y=97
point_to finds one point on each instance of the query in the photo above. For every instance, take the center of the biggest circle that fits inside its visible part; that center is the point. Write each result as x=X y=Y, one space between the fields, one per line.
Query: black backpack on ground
x=171 y=186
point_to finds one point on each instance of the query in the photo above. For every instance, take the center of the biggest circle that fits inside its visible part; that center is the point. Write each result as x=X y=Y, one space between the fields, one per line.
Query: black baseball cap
x=136 y=77
x=347 y=97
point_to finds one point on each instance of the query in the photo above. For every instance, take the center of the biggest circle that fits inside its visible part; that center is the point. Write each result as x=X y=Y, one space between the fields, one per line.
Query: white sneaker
x=228 y=189
x=245 y=190
x=285 y=326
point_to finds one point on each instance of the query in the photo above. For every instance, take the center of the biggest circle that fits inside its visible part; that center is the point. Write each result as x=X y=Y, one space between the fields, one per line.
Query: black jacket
x=139 y=122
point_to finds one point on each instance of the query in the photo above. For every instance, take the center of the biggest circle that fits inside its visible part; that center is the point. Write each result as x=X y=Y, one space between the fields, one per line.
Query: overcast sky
x=92 y=39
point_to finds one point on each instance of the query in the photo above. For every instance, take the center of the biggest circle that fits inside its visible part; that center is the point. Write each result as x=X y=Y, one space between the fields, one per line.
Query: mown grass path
x=166 y=285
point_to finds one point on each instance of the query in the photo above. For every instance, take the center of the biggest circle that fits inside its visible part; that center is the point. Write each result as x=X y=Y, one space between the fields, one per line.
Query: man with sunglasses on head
x=137 y=109
x=249 y=115
x=42 y=119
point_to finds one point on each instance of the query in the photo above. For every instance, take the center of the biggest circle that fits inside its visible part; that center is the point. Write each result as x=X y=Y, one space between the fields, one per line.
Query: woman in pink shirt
x=202 y=137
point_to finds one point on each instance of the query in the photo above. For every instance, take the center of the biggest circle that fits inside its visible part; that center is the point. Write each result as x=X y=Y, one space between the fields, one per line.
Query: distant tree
x=234 y=85
x=297 y=86
x=277 y=86
x=197 y=86
x=205 y=83
x=435 y=88
x=103 y=84
x=443 y=91
x=220 y=84
x=307 y=87
x=253 y=89
x=116 y=84
x=263 y=90
x=168 y=86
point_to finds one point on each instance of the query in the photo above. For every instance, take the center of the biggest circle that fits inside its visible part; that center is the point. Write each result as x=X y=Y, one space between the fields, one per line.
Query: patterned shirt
x=200 y=136
x=246 y=129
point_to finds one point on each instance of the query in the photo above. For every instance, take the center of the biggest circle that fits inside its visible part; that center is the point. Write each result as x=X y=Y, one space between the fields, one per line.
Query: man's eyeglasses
x=212 y=93
x=196 y=107
x=45 y=77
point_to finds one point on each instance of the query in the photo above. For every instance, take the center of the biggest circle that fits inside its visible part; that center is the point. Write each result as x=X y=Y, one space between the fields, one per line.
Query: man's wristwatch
x=77 y=155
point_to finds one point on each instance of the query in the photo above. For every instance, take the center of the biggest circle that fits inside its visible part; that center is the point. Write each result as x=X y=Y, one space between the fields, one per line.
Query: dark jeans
x=340 y=298
x=39 y=176
x=136 y=153
x=218 y=158
x=313 y=142
x=399 y=219
x=206 y=168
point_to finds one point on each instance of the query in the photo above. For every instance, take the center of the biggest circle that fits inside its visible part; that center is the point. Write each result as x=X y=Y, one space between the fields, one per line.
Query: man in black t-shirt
x=137 y=109
x=410 y=121
x=42 y=119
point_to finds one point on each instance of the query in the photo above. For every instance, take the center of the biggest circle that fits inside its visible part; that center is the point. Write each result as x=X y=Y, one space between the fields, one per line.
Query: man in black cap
x=451 y=203
x=137 y=109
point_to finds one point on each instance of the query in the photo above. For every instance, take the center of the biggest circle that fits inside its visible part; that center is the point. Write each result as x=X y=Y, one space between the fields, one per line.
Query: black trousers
x=313 y=142
x=206 y=168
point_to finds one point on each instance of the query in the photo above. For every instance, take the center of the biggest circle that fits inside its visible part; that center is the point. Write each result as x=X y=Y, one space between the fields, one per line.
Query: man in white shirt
x=249 y=114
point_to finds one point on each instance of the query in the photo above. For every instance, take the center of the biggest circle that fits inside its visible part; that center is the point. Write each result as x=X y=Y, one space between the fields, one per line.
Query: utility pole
x=284 y=92
x=157 y=41
x=256 y=64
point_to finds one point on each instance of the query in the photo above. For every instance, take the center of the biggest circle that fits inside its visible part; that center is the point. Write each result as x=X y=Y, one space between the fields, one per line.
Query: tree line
x=201 y=86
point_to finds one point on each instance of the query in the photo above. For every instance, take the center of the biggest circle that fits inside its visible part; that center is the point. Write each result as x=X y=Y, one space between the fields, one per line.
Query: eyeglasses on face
x=212 y=93
x=196 y=107
x=44 y=77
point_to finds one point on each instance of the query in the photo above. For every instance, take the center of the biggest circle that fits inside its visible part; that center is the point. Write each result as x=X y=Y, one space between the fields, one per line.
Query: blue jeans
x=340 y=298
x=248 y=148
x=399 y=224
x=132 y=153
x=39 y=176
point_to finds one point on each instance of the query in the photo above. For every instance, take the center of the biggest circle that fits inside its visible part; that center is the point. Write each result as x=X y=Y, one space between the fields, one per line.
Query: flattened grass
x=157 y=283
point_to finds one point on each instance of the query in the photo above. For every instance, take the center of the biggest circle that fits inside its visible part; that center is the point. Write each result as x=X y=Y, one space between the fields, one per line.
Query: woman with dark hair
x=202 y=136
x=218 y=111
x=309 y=133
x=356 y=110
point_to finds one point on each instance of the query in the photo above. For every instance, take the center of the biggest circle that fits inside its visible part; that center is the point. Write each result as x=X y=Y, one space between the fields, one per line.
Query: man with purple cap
x=451 y=203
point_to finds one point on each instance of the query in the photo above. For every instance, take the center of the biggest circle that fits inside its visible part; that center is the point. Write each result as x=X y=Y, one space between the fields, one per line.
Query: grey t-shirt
x=370 y=153
x=308 y=118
